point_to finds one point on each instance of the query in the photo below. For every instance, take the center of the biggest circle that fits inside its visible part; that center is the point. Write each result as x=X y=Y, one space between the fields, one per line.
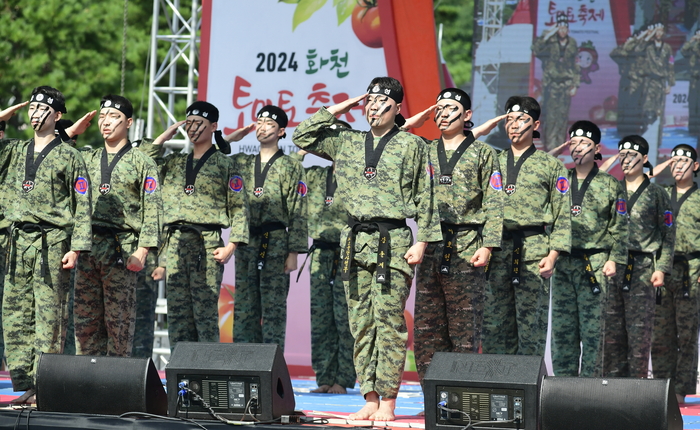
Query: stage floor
x=336 y=407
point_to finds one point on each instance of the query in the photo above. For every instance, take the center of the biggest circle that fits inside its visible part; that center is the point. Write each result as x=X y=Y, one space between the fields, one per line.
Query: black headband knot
x=41 y=97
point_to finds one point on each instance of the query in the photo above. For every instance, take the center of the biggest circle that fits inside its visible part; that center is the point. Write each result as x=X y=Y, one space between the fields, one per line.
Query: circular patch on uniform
x=562 y=184
x=81 y=185
x=496 y=181
x=235 y=183
x=430 y=170
x=621 y=206
x=302 y=189
x=668 y=218
x=150 y=184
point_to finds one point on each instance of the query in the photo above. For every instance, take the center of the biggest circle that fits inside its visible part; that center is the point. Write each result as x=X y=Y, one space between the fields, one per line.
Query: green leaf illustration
x=304 y=10
x=344 y=9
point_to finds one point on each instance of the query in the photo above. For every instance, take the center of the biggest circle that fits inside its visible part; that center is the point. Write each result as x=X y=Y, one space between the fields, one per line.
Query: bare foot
x=680 y=398
x=369 y=409
x=322 y=389
x=337 y=389
x=25 y=399
x=385 y=411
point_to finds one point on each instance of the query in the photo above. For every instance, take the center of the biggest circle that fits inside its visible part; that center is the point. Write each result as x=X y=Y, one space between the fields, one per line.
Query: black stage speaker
x=501 y=389
x=99 y=385
x=237 y=380
x=608 y=403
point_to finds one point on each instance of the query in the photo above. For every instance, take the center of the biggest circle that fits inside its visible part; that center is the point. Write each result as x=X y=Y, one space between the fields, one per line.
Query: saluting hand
x=81 y=125
x=417 y=120
x=240 y=133
x=169 y=133
x=344 y=107
x=11 y=111
x=486 y=128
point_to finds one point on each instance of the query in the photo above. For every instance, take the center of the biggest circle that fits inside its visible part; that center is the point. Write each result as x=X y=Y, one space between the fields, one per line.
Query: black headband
x=585 y=129
x=456 y=95
x=394 y=95
x=684 y=151
x=275 y=113
x=205 y=110
x=41 y=97
x=127 y=110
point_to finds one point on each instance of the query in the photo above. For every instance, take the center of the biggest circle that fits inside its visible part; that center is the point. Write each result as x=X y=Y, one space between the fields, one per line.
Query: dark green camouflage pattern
x=691 y=51
x=146 y=297
x=657 y=73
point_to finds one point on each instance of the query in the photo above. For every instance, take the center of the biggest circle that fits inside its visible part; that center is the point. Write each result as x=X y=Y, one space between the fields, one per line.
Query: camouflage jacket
x=133 y=201
x=658 y=63
x=219 y=197
x=403 y=187
x=541 y=198
x=61 y=195
x=603 y=221
x=651 y=227
x=475 y=196
x=558 y=65
x=687 y=222
x=691 y=51
x=283 y=199
x=630 y=60
x=326 y=221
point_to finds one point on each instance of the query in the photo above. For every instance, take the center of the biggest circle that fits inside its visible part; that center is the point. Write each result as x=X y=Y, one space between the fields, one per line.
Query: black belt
x=324 y=246
x=518 y=236
x=264 y=232
x=30 y=227
x=585 y=254
x=197 y=229
x=449 y=236
x=383 y=226
x=683 y=259
x=627 y=281
x=114 y=232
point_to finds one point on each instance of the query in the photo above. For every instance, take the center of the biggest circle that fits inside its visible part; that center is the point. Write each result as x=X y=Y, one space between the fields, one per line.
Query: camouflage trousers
x=34 y=307
x=376 y=313
x=331 y=340
x=653 y=98
x=629 y=321
x=449 y=309
x=555 y=106
x=105 y=301
x=674 y=350
x=146 y=296
x=578 y=316
x=515 y=318
x=4 y=248
x=192 y=289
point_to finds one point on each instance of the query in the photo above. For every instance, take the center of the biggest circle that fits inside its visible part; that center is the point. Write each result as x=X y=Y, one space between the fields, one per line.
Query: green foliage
x=457 y=17
x=72 y=45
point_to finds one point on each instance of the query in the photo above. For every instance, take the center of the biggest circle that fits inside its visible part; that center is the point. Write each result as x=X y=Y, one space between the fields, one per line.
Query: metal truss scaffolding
x=493 y=23
x=172 y=77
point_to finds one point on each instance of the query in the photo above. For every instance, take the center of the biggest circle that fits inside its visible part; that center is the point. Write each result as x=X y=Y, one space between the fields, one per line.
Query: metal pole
x=152 y=72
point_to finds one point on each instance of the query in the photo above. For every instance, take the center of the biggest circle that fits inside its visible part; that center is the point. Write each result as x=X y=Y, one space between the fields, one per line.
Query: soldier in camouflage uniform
x=674 y=350
x=126 y=223
x=48 y=202
x=331 y=340
x=4 y=240
x=630 y=59
x=631 y=300
x=384 y=176
x=537 y=228
x=450 y=286
x=278 y=233
x=561 y=76
x=657 y=74
x=691 y=51
x=598 y=242
x=202 y=193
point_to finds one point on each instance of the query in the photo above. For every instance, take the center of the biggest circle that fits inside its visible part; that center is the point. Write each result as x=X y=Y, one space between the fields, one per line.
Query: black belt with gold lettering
x=197 y=229
x=585 y=254
x=683 y=260
x=114 y=232
x=263 y=231
x=30 y=227
x=627 y=281
x=518 y=237
x=383 y=226
x=449 y=236
x=324 y=246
